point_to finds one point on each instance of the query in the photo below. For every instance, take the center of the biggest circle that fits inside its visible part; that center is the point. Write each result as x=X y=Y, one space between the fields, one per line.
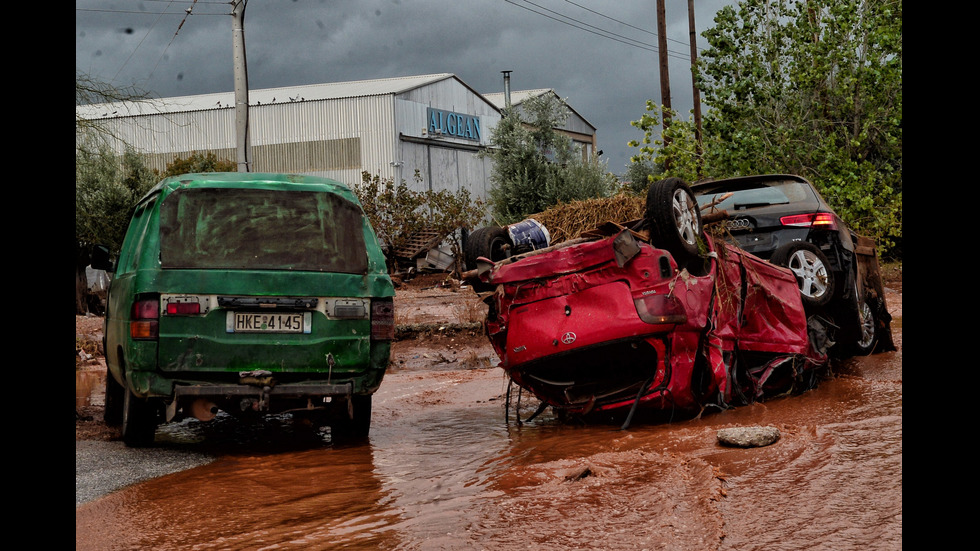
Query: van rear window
x=259 y=229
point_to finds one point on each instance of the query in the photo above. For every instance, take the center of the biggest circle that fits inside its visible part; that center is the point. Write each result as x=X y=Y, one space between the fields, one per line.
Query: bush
x=397 y=213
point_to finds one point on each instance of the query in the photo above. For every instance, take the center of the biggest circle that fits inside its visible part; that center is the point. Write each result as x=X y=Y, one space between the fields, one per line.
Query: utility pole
x=241 y=84
x=664 y=75
x=699 y=149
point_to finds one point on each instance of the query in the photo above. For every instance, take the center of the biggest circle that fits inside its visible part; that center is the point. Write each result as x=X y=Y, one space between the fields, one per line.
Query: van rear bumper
x=280 y=390
x=278 y=398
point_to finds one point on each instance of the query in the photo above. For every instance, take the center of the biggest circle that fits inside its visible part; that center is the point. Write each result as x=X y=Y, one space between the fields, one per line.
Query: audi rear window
x=756 y=194
x=259 y=229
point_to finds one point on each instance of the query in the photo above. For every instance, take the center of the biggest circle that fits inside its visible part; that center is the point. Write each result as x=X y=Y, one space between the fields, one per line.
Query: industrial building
x=392 y=127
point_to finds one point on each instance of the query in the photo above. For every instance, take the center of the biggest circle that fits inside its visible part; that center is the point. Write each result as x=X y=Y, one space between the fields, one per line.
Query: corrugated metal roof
x=519 y=96
x=516 y=97
x=266 y=96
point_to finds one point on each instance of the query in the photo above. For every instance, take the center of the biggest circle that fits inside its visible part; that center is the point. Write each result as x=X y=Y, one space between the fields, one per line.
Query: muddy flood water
x=444 y=471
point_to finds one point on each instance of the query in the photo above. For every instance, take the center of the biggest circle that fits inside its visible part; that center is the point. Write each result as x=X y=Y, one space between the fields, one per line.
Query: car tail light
x=143 y=323
x=382 y=319
x=823 y=220
x=660 y=309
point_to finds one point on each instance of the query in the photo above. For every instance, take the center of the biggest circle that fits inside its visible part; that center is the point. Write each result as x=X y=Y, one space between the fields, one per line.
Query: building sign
x=457 y=125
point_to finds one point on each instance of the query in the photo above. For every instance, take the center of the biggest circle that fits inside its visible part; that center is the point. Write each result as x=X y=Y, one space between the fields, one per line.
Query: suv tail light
x=382 y=319
x=143 y=322
x=823 y=220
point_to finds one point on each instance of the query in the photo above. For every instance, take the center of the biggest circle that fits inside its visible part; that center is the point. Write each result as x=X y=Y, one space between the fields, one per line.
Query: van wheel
x=674 y=219
x=345 y=429
x=811 y=268
x=138 y=422
x=114 y=398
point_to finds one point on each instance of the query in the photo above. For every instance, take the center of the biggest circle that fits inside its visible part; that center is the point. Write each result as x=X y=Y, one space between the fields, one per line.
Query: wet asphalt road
x=104 y=467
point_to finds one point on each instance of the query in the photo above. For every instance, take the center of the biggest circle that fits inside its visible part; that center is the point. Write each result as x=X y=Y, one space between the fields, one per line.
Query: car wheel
x=138 y=421
x=867 y=335
x=346 y=429
x=811 y=268
x=114 y=398
x=673 y=218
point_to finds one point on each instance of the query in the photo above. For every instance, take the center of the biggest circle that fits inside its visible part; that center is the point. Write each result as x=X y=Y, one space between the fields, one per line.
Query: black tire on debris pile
x=491 y=242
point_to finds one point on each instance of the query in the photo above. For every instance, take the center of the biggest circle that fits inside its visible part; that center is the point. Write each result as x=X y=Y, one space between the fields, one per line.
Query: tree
x=106 y=190
x=91 y=134
x=536 y=167
x=397 y=213
x=653 y=154
x=812 y=88
x=640 y=173
x=199 y=162
x=106 y=186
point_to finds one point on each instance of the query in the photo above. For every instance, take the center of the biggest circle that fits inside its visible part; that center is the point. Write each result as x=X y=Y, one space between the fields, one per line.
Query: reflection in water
x=315 y=499
x=88 y=385
x=450 y=474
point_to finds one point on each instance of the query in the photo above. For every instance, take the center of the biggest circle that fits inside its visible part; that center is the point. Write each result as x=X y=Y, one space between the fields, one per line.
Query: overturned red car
x=658 y=316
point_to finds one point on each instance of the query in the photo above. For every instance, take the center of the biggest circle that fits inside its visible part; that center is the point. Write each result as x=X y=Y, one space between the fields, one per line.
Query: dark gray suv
x=783 y=219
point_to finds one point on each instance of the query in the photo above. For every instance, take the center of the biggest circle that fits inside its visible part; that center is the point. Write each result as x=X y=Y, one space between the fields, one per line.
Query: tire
x=812 y=271
x=139 y=421
x=114 y=398
x=345 y=429
x=674 y=219
x=867 y=330
x=491 y=242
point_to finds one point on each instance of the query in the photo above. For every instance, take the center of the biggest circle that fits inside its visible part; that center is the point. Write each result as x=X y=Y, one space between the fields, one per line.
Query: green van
x=253 y=294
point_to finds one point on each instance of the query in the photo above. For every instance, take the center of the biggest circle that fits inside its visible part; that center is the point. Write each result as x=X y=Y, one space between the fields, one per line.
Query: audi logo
x=739 y=224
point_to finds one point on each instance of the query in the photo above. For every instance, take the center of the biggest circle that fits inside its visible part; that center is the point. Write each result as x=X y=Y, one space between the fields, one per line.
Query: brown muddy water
x=444 y=471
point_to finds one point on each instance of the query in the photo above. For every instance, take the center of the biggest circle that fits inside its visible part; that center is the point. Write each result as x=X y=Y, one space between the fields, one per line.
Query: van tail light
x=143 y=322
x=183 y=308
x=382 y=319
x=821 y=220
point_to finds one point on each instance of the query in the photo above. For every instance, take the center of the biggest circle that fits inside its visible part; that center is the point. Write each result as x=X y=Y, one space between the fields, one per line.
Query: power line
x=596 y=30
x=642 y=30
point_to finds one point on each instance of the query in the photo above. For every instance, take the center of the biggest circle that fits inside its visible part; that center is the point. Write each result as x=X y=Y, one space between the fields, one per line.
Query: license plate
x=268 y=322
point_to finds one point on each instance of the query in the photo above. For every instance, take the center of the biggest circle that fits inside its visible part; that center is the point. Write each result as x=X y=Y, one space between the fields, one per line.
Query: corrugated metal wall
x=384 y=134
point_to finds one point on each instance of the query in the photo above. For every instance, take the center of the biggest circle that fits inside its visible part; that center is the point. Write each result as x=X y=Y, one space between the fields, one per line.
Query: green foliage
x=106 y=190
x=536 y=167
x=640 y=173
x=199 y=162
x=810 y=88
x=397 y=213
x=653 y=157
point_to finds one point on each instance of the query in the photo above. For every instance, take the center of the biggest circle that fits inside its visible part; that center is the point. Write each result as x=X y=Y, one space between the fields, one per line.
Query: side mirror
x=101 y=259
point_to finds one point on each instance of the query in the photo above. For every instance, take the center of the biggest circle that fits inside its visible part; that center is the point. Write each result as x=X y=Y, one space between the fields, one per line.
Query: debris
x=748 y=437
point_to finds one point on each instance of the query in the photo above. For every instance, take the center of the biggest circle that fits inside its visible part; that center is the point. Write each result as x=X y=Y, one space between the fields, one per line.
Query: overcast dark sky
x=601 y=56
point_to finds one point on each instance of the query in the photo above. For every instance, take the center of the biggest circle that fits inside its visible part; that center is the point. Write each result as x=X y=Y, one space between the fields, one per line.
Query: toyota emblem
x=568 y=338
